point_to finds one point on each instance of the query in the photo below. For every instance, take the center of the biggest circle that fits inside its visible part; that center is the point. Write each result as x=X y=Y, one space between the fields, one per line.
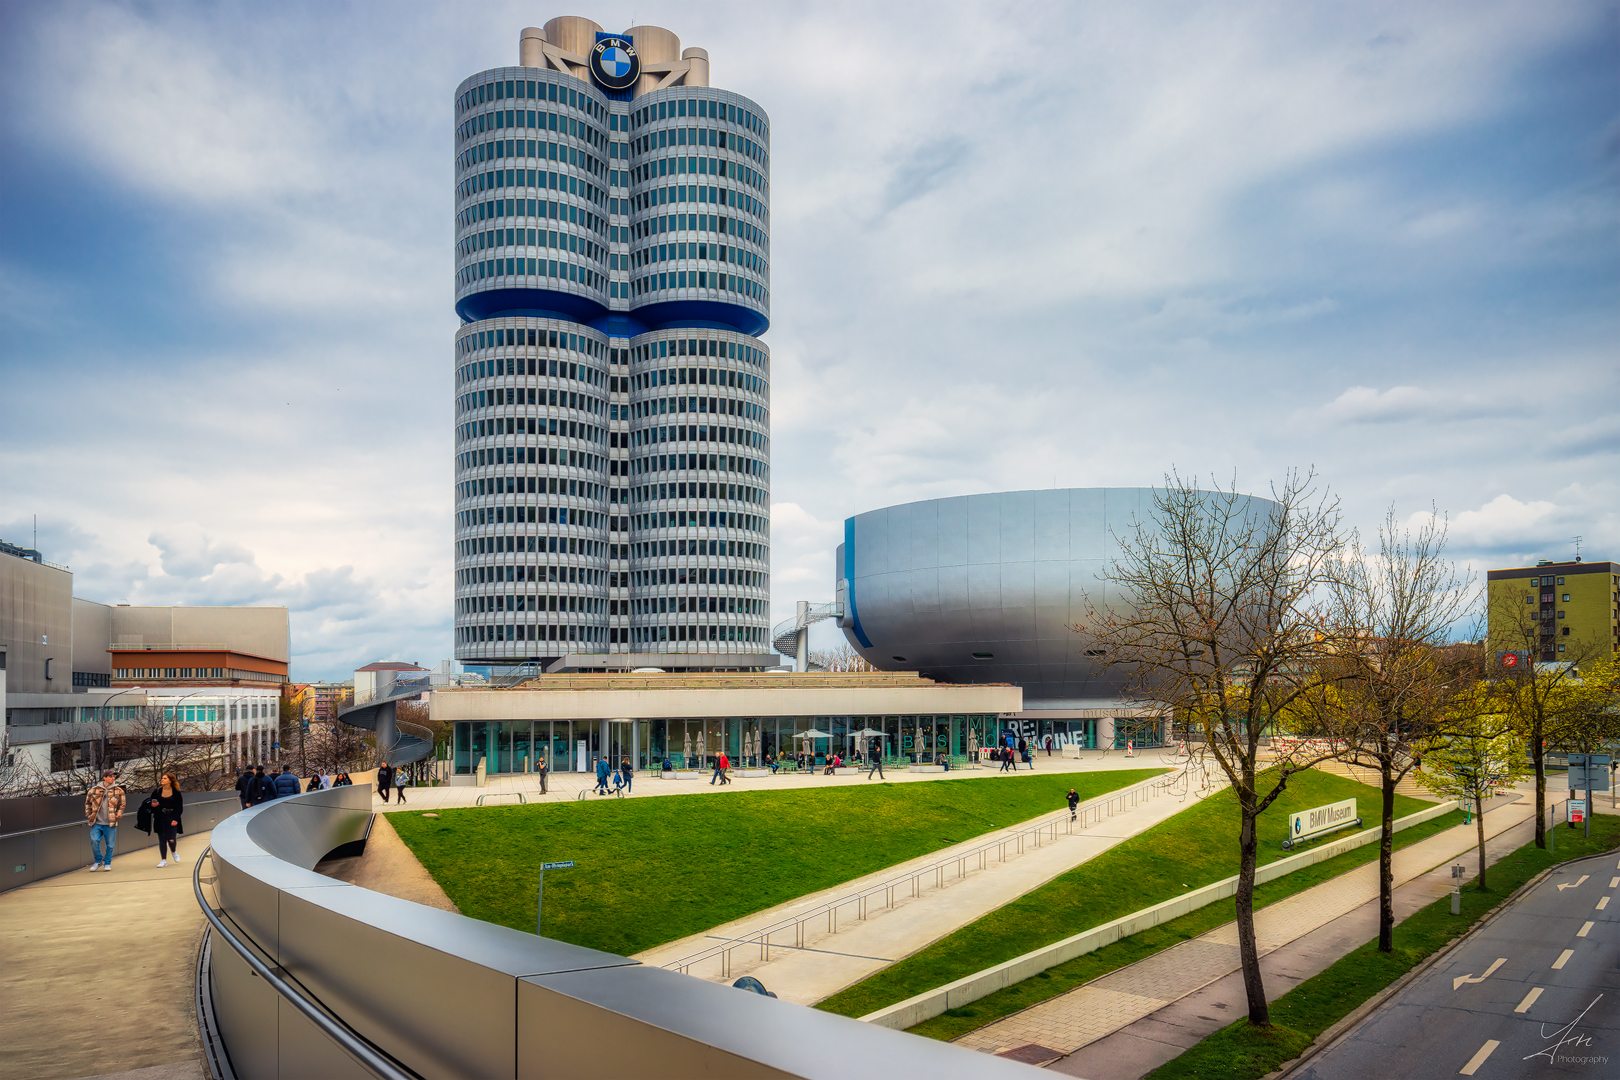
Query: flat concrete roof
x=585 y=697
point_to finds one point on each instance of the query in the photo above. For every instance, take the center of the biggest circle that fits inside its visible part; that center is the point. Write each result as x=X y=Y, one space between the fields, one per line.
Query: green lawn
x=954 y=1023
x=656 y=870
x=1240 y=1052
x=1195 y=848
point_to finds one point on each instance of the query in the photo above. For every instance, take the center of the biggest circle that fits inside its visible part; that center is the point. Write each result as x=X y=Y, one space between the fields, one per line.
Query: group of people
x=391 y=778
x=255 y=785
x=620 y=776
x=1008 y=756
x=162 y=811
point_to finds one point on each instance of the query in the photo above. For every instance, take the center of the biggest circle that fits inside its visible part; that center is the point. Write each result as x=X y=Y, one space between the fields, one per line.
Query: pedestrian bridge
x=304 y=975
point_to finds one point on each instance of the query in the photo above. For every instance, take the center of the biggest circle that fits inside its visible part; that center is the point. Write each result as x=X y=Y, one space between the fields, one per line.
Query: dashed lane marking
x=1529 y=1000
x=1603 y=903
x=1584 y=930
x=1563 y=958
x=1479 y=1058
x=1614 y=882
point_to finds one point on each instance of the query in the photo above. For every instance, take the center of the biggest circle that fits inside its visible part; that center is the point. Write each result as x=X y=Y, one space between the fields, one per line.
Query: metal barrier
x=35 y=854
x=1085 y=816
x=376 y=968
x=500 y=795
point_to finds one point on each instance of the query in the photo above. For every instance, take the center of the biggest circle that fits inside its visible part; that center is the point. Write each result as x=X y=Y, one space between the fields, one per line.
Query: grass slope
x=954 y=1023
x=1196 y=847
x=656 y=870
x=1239 y=1052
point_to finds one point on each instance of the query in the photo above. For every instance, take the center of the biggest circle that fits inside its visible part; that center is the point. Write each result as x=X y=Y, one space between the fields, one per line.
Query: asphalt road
x=1535 y=993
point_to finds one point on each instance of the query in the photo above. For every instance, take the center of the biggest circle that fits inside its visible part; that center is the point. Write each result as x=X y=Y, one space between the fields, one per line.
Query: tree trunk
x=1386 y=859
x=1537 y=756
x=1479 y=820
x=1248 y=951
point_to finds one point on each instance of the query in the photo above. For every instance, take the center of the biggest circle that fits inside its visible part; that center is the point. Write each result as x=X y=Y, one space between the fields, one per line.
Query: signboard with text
x=1321 y=819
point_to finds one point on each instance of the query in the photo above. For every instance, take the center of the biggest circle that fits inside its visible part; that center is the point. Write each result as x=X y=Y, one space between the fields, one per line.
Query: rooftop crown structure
x=612 y=393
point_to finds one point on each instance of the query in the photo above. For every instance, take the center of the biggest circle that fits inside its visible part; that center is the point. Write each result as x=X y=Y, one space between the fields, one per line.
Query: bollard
x=1456 y=901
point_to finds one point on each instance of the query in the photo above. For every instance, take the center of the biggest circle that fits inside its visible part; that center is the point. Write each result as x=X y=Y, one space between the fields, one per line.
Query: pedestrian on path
x=717 y=771
x=385 y=780
x=602 y=776
x=401 y=778
x=325 y=780
x=287 y=783
x=1006 y=759
x=102 y=806
x=161 y=811
x=626 y=771
x=877 y=761
x=722 y=765
x=1074 y=801
x=260 y=788
x=242 y=782
x=541 y=770
x=1049 y=746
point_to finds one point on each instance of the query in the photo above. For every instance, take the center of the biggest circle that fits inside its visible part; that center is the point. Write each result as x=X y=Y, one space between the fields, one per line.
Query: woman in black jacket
x=166 y=806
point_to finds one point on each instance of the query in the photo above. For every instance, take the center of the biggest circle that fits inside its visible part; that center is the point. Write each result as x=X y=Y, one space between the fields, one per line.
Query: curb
x=1333 y=1034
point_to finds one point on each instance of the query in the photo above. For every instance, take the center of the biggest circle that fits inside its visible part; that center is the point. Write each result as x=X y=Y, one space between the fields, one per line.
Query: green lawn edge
x=1242 y=1052
x=954 y=1023
x=655 y=870
x=1194 y=848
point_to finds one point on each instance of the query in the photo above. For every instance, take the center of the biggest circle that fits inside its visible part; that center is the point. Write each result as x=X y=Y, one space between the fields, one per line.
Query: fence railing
x=1188 y=780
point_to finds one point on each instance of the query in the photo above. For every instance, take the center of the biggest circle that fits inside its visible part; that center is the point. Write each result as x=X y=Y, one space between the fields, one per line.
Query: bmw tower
x=612 y=393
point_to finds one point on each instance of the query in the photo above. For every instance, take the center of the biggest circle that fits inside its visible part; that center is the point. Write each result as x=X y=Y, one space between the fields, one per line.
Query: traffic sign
x=1589 y=772
x=569 y=865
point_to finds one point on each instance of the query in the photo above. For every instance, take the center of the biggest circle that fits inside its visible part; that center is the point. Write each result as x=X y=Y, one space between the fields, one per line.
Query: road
x=1535 y=993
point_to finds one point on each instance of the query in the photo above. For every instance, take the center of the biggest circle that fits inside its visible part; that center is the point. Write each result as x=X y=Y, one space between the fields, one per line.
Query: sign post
x=540 y=890
x=1588 y=773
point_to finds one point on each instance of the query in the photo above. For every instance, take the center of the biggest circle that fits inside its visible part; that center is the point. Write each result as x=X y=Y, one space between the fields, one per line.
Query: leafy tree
x=1483 y=751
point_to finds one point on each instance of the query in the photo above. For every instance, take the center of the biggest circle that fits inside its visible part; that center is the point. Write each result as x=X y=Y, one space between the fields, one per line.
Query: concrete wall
x=36 y=624
x=261 y=631
x=92 y=634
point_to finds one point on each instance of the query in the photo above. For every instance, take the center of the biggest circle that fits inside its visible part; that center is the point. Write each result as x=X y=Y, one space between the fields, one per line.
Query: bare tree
x=841 y=658
x=1396 y=682
x=1217 y=620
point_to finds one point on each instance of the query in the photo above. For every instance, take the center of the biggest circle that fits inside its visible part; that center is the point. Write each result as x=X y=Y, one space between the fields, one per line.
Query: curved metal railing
x=372 y=1059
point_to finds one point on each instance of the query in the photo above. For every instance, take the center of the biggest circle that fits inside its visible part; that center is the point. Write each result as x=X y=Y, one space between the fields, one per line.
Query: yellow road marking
x=1529 y=1000
x=1603 y=903
x=1563 y=958
x=1584 y=930
x=1479 y=1059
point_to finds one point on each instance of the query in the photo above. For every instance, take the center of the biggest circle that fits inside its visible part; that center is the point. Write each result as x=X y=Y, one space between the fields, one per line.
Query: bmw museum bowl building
x=984 y=588
x=612 y=391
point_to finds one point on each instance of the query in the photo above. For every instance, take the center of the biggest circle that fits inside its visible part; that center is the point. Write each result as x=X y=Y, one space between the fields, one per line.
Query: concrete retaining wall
x=926 y=1006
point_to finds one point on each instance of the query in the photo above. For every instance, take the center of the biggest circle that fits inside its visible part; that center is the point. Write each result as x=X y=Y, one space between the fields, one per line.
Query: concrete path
x=503 y=790
x=99 y=971
x=1064 y=1024
x=389 y=867
x=828 y=962
x=1139 y=1048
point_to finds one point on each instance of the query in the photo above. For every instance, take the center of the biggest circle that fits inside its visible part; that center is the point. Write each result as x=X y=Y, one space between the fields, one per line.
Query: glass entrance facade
x=513 y=746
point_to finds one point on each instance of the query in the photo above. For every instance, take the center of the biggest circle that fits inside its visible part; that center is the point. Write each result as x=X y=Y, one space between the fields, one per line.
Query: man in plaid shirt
x=103 y=805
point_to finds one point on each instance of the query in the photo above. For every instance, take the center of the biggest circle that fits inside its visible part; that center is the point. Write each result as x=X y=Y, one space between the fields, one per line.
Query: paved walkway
x=1064 y=1024
x=828 y=962
x=139 y=928
x=502 y=790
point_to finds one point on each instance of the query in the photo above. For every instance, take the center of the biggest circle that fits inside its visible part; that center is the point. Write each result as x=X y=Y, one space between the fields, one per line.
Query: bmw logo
x=614 y=64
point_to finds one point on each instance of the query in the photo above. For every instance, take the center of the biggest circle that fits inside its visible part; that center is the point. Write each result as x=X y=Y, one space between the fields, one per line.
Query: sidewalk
x=100 y=970
x=829 y=962
x=502 y=790
x=1062 y=1025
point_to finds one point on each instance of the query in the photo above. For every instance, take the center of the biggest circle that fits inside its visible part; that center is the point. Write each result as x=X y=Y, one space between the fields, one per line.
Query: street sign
x=540 y=889
x=1589 y=772
x=569 y=865
x=1577 y=810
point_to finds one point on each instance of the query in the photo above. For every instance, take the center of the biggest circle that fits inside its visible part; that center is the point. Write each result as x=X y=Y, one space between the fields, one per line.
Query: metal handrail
x=372 y=1059
x=830 y=908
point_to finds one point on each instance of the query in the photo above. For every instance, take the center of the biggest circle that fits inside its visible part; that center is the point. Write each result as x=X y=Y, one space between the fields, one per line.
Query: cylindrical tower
x=612 y=391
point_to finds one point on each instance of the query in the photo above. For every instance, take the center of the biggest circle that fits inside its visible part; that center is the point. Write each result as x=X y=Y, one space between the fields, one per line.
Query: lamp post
x=101 y=722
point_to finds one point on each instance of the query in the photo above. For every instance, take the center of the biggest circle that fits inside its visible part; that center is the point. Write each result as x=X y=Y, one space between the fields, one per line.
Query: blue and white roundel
x=614 y=64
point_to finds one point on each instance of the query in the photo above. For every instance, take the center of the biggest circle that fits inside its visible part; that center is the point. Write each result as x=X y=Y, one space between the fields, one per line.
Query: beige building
x=687 y=720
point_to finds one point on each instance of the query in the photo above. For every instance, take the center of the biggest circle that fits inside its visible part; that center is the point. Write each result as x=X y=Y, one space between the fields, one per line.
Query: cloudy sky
x=1015 y=245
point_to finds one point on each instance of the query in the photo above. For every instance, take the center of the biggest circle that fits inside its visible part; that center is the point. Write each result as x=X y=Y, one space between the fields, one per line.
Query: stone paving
x=1070 y=1021
x=502 y=790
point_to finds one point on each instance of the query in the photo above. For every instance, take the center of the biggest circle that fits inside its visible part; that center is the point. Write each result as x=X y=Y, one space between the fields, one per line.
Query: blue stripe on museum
x=669 y=315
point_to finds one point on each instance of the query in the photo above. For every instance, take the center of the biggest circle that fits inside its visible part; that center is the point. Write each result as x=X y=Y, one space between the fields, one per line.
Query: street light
x=101 y=720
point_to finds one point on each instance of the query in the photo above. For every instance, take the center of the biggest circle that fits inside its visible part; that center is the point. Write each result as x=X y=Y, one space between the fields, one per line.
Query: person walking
x=1049 y=746
x=103 y=804
x=385 y=780
x=722 y=764
x=1006 y=758
x=1074 y=801
x=718 y=770
x=626 y=771
x=286 y=783
x=541 y=769
x=876 y=755
x=163 y=807
x=401 y=778
x=602 y=776
x=260 y=788
x=242 y=782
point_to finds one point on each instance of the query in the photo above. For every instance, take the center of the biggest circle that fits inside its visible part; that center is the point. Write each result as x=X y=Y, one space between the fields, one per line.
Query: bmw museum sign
x=1318 y=820
x=614 y=64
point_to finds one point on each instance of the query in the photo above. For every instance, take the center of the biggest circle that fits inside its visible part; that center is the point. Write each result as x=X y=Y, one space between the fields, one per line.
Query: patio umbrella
x=814 y=734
